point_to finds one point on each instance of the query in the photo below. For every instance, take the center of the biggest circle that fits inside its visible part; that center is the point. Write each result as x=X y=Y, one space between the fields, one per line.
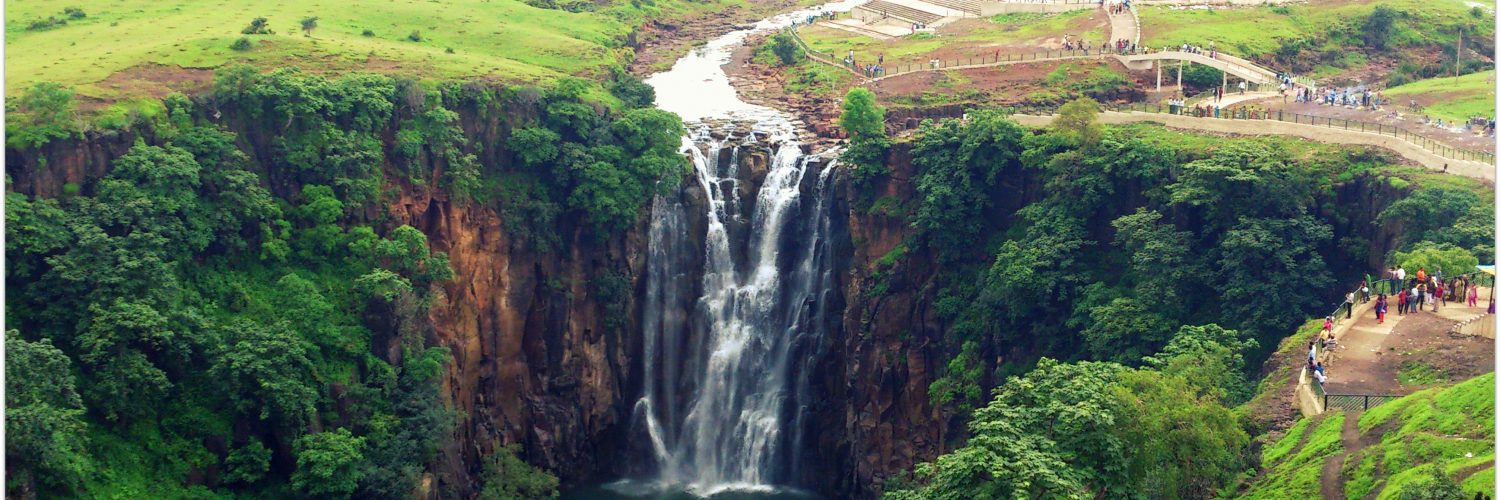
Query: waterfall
x=728 y=357
x=726 y=380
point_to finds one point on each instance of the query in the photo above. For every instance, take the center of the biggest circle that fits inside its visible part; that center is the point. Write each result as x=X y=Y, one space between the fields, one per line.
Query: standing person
x=1421 y=275
x=1349 y=299
x=1380 y=309
x=1473 y=294
x=1437 y=287
x=1400 y=277
x=1416 y=303
x=1364 y=290
x=1401 y=302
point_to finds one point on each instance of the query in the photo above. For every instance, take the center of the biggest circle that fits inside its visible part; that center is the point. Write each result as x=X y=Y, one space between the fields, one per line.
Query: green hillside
x=1327 y=37
x=1451 y=98
x=506 y=40
x=1434 y=439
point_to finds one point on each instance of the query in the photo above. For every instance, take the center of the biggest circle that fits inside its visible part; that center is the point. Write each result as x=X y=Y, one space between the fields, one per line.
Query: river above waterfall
x=698 y=89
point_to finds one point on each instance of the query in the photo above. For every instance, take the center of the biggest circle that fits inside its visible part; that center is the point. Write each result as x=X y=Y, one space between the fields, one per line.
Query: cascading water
x=727 y=359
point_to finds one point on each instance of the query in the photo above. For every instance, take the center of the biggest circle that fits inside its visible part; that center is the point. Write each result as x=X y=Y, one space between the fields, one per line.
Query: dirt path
x=1332 y=479
x=1123 y=26
x=1370 y=357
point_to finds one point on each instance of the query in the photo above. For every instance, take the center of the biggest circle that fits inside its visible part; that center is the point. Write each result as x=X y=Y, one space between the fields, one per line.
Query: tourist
x=1416 y=303
x=1400 y=276
x=1473 y=295
x=1349 y=300
x=1327 y=326
x=1380 y=309
x=1364 y=290
x=1401 y=302
x=1421 y=275
x=1437 y=297
x=1312 y=353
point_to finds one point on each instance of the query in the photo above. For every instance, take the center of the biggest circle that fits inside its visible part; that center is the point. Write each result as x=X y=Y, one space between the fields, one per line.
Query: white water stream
x=727 y=359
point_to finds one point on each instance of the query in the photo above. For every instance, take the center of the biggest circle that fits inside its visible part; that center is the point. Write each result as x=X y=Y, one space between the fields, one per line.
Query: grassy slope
x=1292 y=466
x=504 y=39
x=1453 y=427
x=1436 y=426
x=1258 y=31
x=1005 y=29
x=1453 y=98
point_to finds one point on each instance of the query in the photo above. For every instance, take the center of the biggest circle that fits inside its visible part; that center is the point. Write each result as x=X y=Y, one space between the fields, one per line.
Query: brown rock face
x=891 y=349
x=533 y=362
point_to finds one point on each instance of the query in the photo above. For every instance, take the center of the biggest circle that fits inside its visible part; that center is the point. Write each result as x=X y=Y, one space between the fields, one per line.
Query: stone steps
x=898 y=11
x=967 y=6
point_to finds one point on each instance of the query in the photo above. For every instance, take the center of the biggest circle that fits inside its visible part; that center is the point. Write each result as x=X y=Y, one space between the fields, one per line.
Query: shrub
x=258 y=26
x=367 y=33
x=241 y=45
x=46 y=24
x=448 y=50
x=77 y=13
x=786 y=49
x=415 y=36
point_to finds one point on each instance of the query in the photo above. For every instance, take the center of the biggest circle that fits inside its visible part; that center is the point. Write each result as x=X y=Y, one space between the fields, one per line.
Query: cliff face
x=536 y=363
x=891 y=350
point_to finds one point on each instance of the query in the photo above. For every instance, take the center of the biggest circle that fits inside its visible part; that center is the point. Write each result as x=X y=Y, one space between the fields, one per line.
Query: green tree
x=862 y=117
x=46 y=112
x=327 y=463
x=1162 y=262
x=247 y=464
x=1181 y=445
x=507 y=477
x=45 y=437
x=258 y=26
x=1124 y=331
x=1047 y=434
x=785 y=47
x=1434 y=257
x=1078 y=119
x=308 y=24
x=268 y=371
x=1433 y=483
x=1270 y=270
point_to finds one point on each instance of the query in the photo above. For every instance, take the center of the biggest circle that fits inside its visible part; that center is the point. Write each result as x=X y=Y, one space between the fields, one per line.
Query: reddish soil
x=151 y=80
x=765 y=85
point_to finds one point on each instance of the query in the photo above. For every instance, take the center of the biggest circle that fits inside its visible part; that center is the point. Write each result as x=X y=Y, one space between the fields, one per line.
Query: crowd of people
x=1412 y=293
x=1194 y=49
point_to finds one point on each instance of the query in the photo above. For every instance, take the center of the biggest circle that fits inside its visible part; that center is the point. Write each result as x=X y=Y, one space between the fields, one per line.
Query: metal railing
x=1355 y=401
x=1425 y=143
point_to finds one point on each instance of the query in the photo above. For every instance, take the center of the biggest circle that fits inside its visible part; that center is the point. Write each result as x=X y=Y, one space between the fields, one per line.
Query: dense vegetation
x=208 y=319
x=1131 y=259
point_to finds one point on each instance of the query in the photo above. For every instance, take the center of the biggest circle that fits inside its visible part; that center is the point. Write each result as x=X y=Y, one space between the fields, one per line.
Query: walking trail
x=1369 y=359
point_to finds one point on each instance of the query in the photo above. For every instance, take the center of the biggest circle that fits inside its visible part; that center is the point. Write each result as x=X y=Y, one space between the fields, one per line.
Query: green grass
x=815 y=78
x=1027 y=29
x=1416 y=373
x=1451 y=427
x=1452 y=98
x=1256 y=31
x=1297 y=475
x=502 y=39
